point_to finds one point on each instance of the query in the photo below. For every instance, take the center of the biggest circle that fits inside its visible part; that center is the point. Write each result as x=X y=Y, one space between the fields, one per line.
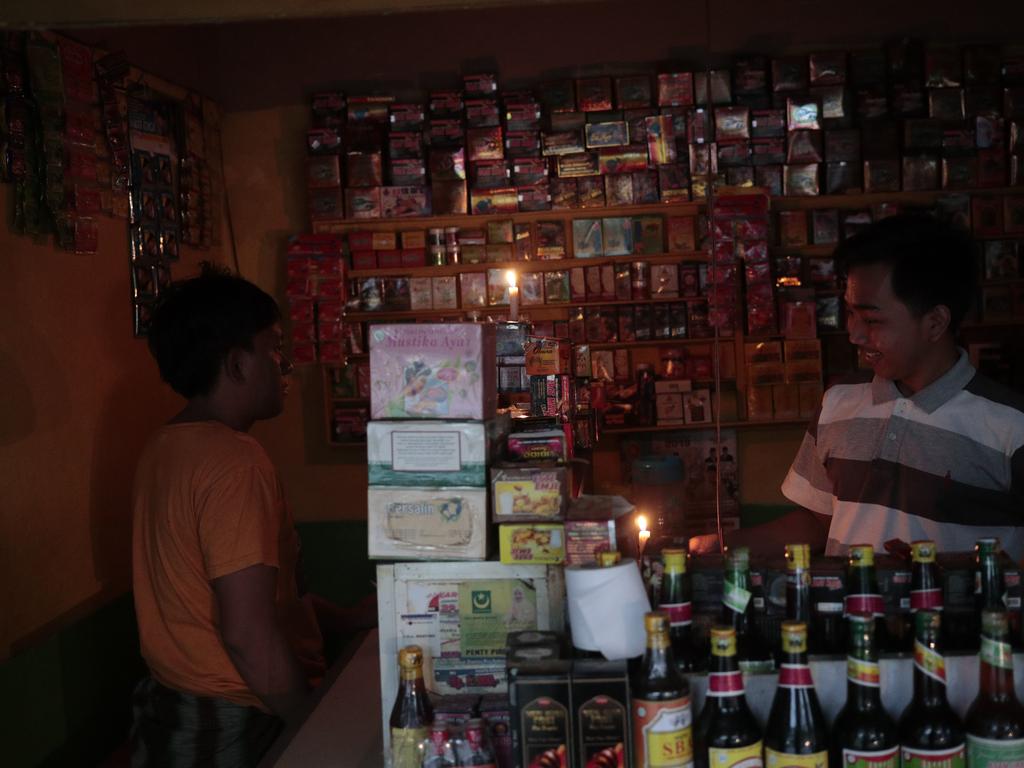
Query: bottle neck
x=794 y=672
x=863 y=675
x=925 y=591
x=996 y=670
x=862 y=580
x=929 y=672
x=990 y=584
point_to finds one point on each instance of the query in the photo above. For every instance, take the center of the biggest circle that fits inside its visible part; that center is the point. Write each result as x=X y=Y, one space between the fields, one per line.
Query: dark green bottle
x=676 y=600
x=995 y=720
x=737 y=612
x=931 y=734
x=863 y=733
x=796 y=733
x=726 y=733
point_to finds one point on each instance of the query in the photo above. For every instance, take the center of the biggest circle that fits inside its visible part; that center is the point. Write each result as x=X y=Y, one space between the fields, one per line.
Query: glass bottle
x=645 y=396
x=675 y=599
x=737 y=612
x=988 y=576
x=862 y=595
x=995 y=720
x=798 y=582
x=662 y=719
x=437 y=750
x=796 y=733
x=863 y=734
x=412 y=713
x=726 y=735
x=475 y=747
x=925 y=587
x=931 y=734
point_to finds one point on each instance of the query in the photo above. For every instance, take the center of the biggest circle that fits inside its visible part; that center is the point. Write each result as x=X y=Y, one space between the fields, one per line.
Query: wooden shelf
x=534 y=265
x=524 y=309
x=658 y=342
x=708 y=425
x=469 y=219
x=867 y=199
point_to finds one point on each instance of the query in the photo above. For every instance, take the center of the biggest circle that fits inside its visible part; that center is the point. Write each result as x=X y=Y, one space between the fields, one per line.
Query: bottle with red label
x=863 y=734
x=862 y=595
x=675 y=600
x=662 y=719
x=796 y=735
x=931 y=734
x=726 y=735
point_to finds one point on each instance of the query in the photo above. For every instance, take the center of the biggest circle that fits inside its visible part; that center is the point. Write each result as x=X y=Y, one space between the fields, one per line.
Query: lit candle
x=513 y=296
x=644 y=534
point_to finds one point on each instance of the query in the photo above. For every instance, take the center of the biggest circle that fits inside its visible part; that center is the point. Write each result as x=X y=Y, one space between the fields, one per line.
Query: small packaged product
x=420 y=293
x=531 y=288
x=617 y=236
x=590 y=192
x=801 y=180
x=732 y=123
x=594 y=94
x=792 y=228
x=550 y=240
x=618 y=189
x=445 y=292
x=648 y=235
x=556 y=287
x=533 y=491
x=804 y=146
x=675 y=89
x=803 y=114
x=587 y=237
x=531 y=543
x=564 y=194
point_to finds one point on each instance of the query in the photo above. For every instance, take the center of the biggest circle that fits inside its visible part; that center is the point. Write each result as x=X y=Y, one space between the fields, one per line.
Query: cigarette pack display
x=558 y=95
x=675 y=89
x=364 y=169
x=326 y=205
x=529 y=492
x=430 y=454
x=522 y=115
x=473 y=287
x=519 y=144
x=544 y=445
x=619 y=189
x=445 y=133
x=405 y=145
x=611 y=134
x=489 y=174
x=323 y=171
x=561 y=143
x=703 y=159
x=396 y=293
x=792 y=228
x=920 y=173
x=411 y=172
x=406 y=117
x=369 y=109
x=841 y=178
x=908 y=101
x=421 y=293
x=645 y=187
x=397 y=202
x=768 y=124
x=801 y=180
x=485 y=144
x=624 y=160
x=992 y=167
x=363 y=203
x=427 y=523
x=590 y=190
x=617 y=236
x=534 y=198
x=697 y=406
x=593 y=285
x=633 y=92
x=587 y=238
x=482 y=113
x=577 y=165
x=594 y=94
x=922 y=134
x=564 y=194
x=531 y=543
x=556 y=287
x=445 y=104
x=433 y=370
x=501 y=200
x=529 y=171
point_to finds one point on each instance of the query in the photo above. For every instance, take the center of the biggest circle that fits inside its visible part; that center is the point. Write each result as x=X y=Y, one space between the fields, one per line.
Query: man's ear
x=235 y=365
x=937 y=321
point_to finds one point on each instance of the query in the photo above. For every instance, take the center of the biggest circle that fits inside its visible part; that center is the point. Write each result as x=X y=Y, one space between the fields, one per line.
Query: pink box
x=433 y=371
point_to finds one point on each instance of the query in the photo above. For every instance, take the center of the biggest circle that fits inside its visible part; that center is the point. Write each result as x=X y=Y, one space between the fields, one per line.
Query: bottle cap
x=923 y=551
x=738 y=556
x=723 y=641
x=798 y=555
x=607 y=559
x=410 y=657
x=862 y=555
x=987 y=546
x=656 y=621
x=794 y=637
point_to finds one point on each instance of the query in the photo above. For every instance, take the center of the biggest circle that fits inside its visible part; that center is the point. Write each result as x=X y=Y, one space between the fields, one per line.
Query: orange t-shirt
x=207 y=502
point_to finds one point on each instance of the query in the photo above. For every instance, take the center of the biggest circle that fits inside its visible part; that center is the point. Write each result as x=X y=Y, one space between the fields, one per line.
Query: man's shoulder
x=208 y=443
x=993 y=392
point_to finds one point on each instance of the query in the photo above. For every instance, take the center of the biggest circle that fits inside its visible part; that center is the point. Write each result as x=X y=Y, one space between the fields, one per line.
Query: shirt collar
x=935 y=394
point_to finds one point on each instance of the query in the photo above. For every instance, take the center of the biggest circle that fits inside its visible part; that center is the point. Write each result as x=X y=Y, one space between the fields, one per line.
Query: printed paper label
x=992 y=753
x=405 y=746
x=741 y=757
x=663 y=733
x=679 y=614
x=773 y=759
x=929 y=662
x=426 y=451
x=886 y=758
x=929 y=758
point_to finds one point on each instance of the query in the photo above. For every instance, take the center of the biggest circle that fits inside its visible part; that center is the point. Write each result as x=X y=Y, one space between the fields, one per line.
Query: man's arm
x=798 y=526
x=254 y=641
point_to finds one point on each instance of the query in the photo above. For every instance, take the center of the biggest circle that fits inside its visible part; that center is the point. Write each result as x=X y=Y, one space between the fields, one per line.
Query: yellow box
x=532 y=543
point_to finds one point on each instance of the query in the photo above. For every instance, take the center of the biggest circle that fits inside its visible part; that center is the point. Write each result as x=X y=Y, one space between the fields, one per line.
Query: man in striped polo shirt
x=921 y=446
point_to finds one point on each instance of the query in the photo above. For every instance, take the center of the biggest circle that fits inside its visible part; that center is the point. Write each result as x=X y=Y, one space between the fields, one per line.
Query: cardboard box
x=531 y=543
x=529 y=492
x=431 y=454
x=601 y=711
x=542 y=445
x=427 y=523
x=427 y=370
x=584 y=539
x=548 y=356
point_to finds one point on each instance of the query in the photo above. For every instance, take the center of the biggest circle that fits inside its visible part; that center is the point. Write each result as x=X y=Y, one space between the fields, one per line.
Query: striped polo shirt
x=945 y=464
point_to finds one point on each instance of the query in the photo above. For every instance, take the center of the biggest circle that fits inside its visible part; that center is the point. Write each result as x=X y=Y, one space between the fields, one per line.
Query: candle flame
x=510 y=278
x=641 y=522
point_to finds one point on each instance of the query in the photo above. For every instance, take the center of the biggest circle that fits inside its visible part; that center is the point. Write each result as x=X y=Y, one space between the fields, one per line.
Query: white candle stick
x=513 y=296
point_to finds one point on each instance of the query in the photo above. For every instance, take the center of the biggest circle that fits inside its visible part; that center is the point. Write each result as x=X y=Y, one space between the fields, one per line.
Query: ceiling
x=65 y=14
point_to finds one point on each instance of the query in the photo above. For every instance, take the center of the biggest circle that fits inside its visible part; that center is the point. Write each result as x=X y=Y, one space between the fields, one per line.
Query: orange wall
x=80 y=396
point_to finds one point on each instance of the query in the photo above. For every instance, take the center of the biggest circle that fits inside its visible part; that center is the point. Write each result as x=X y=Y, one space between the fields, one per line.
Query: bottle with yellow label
x=662 y=719
x=796 y=735
x=863 y=734
x=726 y=735
x=931 y=735
x=412 y=713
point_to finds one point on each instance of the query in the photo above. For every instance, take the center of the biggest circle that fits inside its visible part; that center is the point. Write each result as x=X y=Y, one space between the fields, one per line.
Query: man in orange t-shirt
x=232 y=647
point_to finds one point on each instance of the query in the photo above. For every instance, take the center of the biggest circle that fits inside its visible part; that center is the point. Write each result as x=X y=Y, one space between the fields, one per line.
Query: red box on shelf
x=414 y=257
x=364 y=259
x=389 y=259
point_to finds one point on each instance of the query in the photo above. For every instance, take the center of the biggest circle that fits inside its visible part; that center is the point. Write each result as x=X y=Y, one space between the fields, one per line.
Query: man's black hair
x=932 y=261
x=198 y=321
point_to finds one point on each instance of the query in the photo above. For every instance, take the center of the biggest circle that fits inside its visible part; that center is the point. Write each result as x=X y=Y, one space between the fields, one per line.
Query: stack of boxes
x=783 y=379
x=316 y=292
